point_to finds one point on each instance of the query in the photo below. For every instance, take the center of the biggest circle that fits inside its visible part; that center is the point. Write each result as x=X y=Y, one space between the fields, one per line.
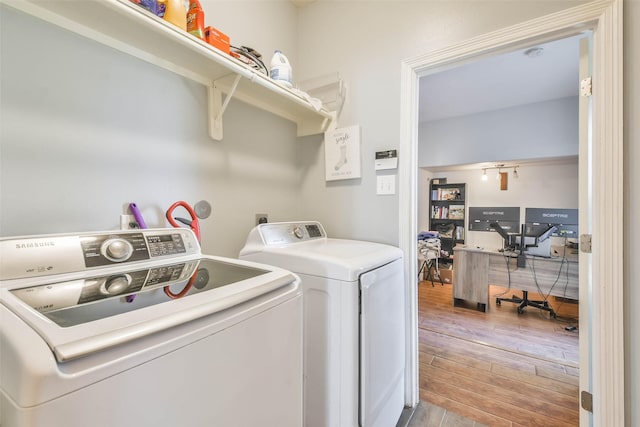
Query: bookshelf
x=447 y=212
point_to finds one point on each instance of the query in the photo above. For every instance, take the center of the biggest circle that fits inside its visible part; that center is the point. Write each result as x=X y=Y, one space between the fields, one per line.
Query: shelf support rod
x=217 y=107
x=234 y=86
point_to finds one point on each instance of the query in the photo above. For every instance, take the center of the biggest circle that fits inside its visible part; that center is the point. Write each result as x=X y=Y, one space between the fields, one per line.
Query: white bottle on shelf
x=281 y=69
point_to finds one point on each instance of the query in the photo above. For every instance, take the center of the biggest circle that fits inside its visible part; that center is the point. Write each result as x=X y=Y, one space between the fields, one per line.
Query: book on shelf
x=459 y=233
x=446 y=194
x=439 y=212
x=456 y=212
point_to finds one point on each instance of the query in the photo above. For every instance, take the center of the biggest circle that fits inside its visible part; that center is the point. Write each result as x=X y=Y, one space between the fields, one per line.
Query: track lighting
x=501 y=175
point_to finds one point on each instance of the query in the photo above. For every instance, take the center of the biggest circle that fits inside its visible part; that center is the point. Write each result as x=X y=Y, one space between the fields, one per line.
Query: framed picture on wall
x=342 y=153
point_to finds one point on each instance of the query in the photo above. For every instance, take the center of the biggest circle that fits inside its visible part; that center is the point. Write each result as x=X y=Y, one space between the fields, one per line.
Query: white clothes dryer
x=354 y=321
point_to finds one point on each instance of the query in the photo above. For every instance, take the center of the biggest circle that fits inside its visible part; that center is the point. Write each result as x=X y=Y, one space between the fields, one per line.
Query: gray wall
x=539 y=130
x=87 y=130
x=366 y=42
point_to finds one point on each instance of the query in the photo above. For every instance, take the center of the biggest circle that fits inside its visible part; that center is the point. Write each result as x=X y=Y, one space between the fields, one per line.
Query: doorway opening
x=516 y=116
x=601 y=264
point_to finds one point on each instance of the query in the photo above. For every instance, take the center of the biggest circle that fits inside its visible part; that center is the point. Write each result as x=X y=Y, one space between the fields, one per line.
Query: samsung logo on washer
x=31 y=245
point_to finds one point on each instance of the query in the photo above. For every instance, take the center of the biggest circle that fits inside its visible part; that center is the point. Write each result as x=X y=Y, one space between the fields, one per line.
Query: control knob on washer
x=297 y=231
x=117 y=250
x=115 y=285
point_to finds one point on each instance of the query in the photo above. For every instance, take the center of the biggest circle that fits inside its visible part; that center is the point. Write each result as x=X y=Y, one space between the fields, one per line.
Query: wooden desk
x=475 y=269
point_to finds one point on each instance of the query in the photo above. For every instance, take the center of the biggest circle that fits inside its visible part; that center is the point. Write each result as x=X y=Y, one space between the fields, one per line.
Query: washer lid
x=87 y=314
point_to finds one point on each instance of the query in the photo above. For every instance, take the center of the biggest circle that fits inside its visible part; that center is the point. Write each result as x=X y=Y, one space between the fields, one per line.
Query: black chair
x=526 y=302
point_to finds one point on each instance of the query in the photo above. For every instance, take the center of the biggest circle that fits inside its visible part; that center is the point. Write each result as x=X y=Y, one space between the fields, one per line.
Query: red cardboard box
x=217 y=39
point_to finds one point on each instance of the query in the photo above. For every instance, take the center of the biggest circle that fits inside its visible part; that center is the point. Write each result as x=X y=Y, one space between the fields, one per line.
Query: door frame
x=604 y=19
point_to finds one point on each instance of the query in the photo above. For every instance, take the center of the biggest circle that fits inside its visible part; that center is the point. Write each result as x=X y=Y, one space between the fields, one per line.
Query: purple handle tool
x=137 y=215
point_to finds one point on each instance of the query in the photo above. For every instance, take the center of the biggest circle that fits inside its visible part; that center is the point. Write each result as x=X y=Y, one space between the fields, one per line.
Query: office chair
x=526 y=302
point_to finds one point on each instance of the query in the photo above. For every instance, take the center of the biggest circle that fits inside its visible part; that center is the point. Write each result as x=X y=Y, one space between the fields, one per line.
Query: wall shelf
x=131 y=29
x=329 y=88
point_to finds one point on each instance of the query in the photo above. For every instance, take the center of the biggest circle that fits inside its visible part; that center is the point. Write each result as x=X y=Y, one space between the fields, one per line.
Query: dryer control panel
x=290 y=232
x=46 y=255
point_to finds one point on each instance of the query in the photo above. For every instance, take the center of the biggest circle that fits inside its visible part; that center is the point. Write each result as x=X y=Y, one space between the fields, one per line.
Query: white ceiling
x=502 y=81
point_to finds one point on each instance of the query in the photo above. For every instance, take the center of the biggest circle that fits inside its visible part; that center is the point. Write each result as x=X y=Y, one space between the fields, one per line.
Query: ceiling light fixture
x=500 y=174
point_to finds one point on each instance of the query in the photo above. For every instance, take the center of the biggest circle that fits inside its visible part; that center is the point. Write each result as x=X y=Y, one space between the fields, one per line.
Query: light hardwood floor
x=498 y=368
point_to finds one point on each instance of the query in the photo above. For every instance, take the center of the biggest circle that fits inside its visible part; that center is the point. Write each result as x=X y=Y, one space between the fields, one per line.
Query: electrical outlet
x=262 y=218
x=127 y=222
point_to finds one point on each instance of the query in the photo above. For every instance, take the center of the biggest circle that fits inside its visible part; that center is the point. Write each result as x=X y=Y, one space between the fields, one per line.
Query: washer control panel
x=100 y=250
x=34 y=256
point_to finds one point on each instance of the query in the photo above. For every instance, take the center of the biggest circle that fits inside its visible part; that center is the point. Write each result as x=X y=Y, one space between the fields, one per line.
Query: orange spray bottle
x=195 y=19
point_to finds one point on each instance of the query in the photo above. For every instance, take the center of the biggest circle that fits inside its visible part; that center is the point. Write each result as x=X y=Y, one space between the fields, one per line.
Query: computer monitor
x=565 y=220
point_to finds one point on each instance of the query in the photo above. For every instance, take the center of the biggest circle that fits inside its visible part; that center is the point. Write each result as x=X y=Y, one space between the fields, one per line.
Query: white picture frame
x=342 y=153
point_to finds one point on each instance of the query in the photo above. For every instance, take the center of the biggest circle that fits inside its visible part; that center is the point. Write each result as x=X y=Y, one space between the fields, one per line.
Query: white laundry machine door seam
x=381 y=347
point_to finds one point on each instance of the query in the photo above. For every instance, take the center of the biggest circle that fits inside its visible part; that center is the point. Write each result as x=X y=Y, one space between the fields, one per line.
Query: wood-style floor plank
x=463 y=409
x=498 y=368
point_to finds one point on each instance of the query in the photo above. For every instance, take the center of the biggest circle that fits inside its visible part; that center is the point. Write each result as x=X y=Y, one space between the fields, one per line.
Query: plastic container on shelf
x=176 y=13
x=150 y=5
x=162 y=6
x=281 y=69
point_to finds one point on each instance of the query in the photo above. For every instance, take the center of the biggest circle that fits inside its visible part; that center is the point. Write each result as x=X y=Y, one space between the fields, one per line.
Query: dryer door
x=382 y=345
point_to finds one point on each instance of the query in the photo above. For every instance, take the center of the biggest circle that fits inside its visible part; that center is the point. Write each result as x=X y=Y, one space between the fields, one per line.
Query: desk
x=475 y=269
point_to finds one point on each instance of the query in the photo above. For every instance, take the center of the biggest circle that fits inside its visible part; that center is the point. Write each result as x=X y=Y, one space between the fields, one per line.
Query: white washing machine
x=354 y=321
x=138 y=328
